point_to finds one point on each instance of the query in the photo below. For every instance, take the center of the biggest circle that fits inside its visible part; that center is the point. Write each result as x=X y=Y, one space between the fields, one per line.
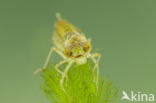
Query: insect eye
x=67 y=52
x=87 y=47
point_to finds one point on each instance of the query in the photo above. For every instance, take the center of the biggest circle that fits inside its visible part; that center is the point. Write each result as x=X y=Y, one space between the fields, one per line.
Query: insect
x=73 y=47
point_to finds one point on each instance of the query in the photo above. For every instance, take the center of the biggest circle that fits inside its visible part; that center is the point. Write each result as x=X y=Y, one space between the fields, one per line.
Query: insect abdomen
x=63 y=27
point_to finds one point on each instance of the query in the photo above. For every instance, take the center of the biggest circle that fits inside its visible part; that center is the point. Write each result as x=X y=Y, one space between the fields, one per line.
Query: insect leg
x=57 y=66
x=63 y=76
x=49 y=55
x=48 y=58
x=96 y=61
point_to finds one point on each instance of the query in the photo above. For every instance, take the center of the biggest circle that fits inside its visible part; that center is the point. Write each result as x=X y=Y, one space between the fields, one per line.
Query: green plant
x=81 y=87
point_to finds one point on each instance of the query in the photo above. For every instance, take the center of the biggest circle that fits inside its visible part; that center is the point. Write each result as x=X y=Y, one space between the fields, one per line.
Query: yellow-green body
x=71 y=41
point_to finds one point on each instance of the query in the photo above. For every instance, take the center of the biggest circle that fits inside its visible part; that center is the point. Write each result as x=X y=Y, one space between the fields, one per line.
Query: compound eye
x=87 y=47
x=67 y=52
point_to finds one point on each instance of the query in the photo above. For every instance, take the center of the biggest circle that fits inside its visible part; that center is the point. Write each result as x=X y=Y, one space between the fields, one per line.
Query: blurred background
x=124 y=29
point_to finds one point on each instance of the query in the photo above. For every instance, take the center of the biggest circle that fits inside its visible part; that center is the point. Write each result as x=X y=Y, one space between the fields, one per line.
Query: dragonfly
x=73 y=46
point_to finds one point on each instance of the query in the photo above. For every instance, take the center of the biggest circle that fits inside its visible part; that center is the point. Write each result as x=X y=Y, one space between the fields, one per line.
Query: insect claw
x=37 y=71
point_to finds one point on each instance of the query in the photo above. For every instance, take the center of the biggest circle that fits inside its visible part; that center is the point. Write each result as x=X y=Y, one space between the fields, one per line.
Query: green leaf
x=81 y=87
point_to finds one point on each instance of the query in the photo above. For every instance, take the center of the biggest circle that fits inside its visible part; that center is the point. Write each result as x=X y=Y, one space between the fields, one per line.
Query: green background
x=124 y=29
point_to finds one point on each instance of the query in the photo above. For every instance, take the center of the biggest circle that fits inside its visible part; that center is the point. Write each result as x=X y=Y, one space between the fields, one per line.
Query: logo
x=137 y=96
